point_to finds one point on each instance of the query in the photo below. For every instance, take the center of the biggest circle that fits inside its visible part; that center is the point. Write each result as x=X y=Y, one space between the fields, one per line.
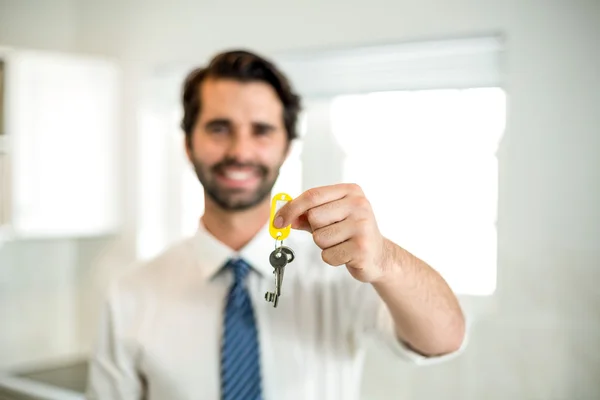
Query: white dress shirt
x=161 y=329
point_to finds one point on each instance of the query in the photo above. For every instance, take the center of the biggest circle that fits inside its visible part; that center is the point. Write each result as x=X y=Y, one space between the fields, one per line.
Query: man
x=194 y=324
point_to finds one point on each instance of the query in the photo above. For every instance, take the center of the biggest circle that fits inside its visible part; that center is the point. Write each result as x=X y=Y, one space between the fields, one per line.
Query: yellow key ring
x=279 y=200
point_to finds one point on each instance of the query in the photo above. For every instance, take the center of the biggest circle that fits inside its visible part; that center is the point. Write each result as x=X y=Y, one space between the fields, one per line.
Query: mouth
x=238 y=177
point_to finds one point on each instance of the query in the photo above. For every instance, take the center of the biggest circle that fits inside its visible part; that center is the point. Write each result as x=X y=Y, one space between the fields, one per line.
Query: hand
x=342 y=223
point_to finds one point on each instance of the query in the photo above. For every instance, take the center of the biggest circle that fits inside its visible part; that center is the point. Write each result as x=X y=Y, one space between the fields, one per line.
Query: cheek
x=206 y=152
x=273 y=156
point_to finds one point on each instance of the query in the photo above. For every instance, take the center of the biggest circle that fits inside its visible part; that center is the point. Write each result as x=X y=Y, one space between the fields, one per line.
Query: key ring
x=278 y=248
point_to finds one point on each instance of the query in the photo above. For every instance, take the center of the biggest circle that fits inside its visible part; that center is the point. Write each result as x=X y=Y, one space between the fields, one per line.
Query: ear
x=288 y=149
x=187 y=143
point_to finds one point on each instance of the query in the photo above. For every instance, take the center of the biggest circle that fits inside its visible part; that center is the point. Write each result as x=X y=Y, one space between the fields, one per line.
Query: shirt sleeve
x=374 y=322
x=112 y=368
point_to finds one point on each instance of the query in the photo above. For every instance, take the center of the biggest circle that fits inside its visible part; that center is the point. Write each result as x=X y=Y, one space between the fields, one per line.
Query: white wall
x=38 y=23
x=541 y=342
x=50 y=289
x=36 y=277
x=37 y=300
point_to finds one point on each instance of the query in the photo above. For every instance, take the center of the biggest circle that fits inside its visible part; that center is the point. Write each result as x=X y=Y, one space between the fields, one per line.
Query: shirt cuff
x=386 y=331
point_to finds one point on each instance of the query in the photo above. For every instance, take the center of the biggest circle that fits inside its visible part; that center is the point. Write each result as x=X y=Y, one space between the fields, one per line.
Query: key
x=278 y=259
x=289 y=253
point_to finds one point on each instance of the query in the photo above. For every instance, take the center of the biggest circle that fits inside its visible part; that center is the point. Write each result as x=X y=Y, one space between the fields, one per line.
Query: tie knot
x=240 y=269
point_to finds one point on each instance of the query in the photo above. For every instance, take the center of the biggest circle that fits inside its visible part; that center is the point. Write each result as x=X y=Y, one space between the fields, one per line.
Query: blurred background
x=473 y=127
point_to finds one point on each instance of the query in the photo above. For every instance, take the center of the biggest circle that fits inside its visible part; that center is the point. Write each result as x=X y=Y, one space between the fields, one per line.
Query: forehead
x=240 y=101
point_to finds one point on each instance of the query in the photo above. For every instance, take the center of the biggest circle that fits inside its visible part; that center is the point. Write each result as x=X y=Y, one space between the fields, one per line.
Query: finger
x=336 y=211
x=302 y=224
x=332 y=235
x=310 y=199
x=339 y=254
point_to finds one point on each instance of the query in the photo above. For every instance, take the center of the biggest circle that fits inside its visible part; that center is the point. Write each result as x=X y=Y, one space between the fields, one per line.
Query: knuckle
x=362 y=202
x=313 y=216
x=317 y=238
x=313 y=195
x=355 y=188
x=326 y=256
x=332 y=257
x=322 y=237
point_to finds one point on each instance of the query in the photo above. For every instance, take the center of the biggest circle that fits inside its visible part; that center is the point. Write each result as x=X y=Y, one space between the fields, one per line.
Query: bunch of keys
x=282 y=255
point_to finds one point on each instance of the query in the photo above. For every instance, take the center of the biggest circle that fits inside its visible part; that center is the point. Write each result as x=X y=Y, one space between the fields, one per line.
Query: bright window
x=427 y=162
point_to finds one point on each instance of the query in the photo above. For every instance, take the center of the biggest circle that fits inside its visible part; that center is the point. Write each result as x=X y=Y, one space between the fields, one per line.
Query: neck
x=234 y=229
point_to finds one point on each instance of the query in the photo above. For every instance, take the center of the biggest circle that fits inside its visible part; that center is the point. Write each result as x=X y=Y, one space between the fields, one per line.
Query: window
x=427 y=161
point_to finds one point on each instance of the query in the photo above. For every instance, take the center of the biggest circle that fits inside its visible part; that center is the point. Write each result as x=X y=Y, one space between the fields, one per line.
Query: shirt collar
x=213 y=254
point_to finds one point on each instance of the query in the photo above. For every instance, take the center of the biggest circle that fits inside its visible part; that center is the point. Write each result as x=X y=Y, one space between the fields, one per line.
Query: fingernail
x=278 y=222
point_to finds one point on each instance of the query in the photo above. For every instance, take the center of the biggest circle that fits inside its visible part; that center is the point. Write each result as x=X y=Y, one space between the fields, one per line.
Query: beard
x=232 y=199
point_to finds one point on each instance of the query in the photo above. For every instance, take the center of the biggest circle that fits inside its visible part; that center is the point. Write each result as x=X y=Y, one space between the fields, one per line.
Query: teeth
x=238 y=175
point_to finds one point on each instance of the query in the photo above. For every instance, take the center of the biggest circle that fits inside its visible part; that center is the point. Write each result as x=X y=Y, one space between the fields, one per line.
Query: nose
x=240 y=146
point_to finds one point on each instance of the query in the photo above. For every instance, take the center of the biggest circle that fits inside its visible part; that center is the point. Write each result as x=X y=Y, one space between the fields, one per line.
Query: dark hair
x=243 y=66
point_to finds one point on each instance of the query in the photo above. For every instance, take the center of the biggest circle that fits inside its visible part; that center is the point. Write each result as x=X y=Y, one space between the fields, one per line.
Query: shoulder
x=151 y=276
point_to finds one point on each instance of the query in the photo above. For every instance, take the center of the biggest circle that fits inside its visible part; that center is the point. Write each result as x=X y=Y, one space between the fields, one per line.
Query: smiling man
x=237 y=180
x=193 y=323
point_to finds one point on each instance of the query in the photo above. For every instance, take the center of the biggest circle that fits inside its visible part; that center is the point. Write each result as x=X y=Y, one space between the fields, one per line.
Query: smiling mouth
x=236 y=174
x=238 y=177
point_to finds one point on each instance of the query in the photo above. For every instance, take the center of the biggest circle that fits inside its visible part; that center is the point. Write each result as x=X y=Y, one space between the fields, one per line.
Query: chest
x=306 y=344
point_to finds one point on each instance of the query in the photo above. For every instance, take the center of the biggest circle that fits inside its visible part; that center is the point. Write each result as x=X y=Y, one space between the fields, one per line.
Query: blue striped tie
x=240 y=358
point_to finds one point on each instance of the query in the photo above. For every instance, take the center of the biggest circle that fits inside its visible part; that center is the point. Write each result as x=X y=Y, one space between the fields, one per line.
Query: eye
x=218 y=129
x=263 y=130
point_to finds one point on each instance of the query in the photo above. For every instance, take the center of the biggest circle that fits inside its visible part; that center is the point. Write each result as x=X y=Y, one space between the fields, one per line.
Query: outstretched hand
x=343 y=225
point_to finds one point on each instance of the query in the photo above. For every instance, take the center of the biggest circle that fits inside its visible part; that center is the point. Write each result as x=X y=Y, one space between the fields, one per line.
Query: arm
x=426 y=313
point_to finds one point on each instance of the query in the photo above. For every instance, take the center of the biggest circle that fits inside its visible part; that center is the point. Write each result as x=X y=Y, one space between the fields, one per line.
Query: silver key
x=278 y=259
x=289 y=253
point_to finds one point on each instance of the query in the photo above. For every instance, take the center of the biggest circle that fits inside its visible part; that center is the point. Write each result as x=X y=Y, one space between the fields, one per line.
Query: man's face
x=239 y=142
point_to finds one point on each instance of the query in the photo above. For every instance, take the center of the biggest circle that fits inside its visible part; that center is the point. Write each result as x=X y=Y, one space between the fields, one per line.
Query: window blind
x=452 y=63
